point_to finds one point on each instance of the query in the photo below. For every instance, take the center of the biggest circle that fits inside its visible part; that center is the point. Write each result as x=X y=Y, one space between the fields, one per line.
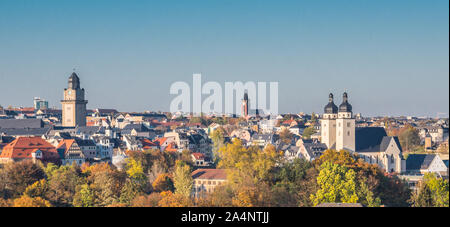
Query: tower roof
x=74 y=81
x=345 y=106
x=330 y=108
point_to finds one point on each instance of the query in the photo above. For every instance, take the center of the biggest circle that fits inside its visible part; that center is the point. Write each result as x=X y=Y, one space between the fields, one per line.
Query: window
x=348 y=133
x=348 y=124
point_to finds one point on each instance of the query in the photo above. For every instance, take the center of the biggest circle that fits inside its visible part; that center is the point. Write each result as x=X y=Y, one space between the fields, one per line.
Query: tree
x=37 y=189
x=84 y=197
x=170 y=199
x=62 y=185
x=338 y=184
x=286 y=136
x=19 y=175
x=248 y=172
x=136 y=183
x=294 y=182
x=433 y=192
x=308 y=132
x=409 y=138
x=218 y=139
x=389 y=188
x=151 y=200
x=26 y=201
x=182 y=179
x=163 y=183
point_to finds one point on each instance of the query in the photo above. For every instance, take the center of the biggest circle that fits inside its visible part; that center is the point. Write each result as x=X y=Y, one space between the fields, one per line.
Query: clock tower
x=74 y=105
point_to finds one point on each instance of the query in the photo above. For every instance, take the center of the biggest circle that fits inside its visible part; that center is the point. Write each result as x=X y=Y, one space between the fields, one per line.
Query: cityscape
x=322 y=105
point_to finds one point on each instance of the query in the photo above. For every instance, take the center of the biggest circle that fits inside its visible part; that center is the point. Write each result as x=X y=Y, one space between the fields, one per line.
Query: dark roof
x=137 y=127
x=345 y=106
x=21 y=123
x=419 y=161
x=387 y=140
x=368 y=139
x=85 y=143
x=330 y=108
x=25 y=131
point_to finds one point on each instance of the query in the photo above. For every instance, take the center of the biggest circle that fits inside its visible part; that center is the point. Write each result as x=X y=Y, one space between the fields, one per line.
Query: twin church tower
x=338 y=125
x=74 y=104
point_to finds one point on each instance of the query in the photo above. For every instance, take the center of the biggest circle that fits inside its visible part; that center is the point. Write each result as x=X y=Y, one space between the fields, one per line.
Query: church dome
x=330 y=108
x=345 y=106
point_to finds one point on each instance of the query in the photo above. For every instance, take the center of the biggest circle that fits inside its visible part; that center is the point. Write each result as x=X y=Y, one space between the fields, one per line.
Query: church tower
x=345 y=126
x=245 y=104
x=74 y=105
x=328 y=123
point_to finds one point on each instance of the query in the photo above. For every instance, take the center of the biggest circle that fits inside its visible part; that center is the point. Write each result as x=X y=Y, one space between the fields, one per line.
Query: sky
x=392 y=57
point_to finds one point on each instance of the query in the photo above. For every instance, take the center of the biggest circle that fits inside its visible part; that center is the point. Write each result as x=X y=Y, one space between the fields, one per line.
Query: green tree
x=84 y=197
x=182 y=179
x=338 y=184
x=286 y=136
x=308 y=132
x=433 y=192
x=218 y=139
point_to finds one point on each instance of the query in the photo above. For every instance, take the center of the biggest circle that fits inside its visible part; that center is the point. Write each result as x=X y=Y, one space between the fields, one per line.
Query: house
x=205 y=180
x=70 y=152
x=29 y=148
x=311 y=149
x=138 y=130
x=263 y=140
x=200 y=159
x=88 y=147
x=426 y=163
x=242 y=134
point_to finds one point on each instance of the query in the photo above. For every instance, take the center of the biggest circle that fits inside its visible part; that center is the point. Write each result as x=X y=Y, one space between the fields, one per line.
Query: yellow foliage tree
x=26 y=201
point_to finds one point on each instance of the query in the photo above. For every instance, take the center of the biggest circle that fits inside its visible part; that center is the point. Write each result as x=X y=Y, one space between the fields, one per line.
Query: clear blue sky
x=391 y=56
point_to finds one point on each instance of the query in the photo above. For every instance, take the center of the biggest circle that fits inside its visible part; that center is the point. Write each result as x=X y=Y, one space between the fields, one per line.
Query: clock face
x=70 y=92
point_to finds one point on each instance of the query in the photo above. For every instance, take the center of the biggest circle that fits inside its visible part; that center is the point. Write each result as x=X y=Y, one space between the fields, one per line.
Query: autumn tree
x=37 y=189
x=409 y=138
x=19 y=175
x=84 y=197
x=248 y=172
x=151 y=200
x=62 y=185
x=26 y=201
x=169 y=199
x=163 y=183
x=136 y=182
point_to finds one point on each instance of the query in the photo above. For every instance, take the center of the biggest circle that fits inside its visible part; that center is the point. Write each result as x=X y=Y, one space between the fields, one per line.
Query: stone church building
x=339 y=132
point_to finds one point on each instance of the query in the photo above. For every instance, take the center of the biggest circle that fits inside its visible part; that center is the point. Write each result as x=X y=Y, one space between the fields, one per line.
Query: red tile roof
x=23 y=147
x=198 y=155
x=209 y=174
